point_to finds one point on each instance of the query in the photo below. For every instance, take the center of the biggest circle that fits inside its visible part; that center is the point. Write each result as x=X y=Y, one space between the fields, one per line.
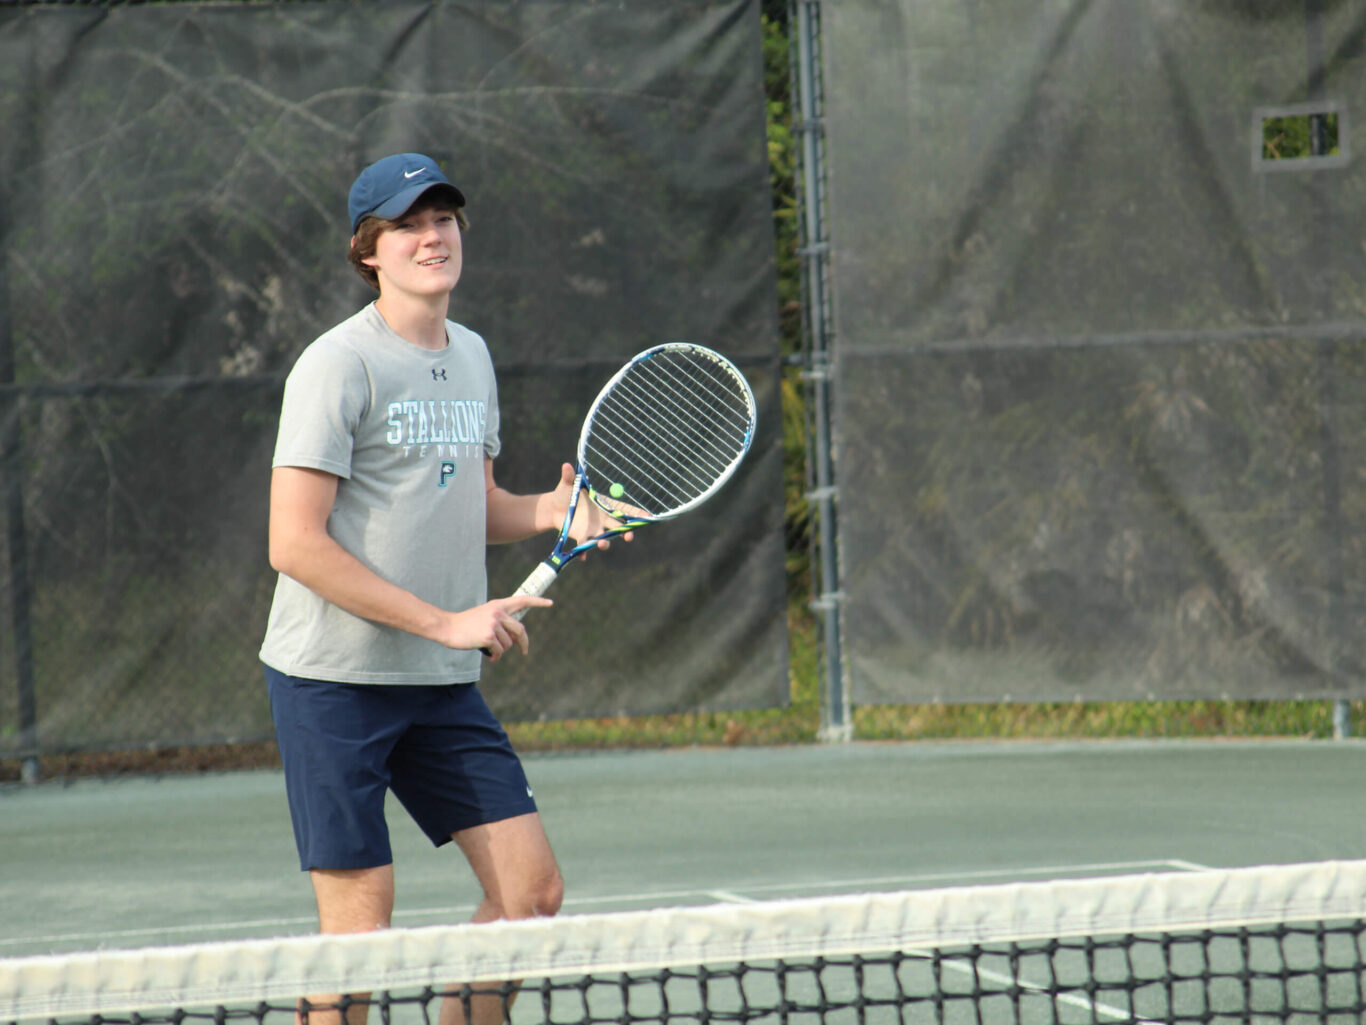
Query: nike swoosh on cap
x=409 y=174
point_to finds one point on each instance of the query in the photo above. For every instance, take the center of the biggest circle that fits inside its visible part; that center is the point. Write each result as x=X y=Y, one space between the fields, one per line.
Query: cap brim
x=399 y=205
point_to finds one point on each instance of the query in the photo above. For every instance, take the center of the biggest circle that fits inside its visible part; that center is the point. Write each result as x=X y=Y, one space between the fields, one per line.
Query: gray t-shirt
x=407 y=431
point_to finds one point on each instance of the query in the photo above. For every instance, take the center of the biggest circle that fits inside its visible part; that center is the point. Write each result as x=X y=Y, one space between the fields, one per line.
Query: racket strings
x=668 y=432
x=662 y=479
x=706 y=399
x=699 y=465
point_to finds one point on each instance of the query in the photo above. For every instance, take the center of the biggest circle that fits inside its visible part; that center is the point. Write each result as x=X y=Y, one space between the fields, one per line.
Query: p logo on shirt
x=447 y=472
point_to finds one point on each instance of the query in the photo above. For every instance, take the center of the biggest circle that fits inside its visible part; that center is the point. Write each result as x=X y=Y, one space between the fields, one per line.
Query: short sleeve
x=492 y=442
x=326 y=394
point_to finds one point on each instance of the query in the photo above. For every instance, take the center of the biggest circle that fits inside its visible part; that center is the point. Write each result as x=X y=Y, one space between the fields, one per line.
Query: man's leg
x=349 y=900
x=516 y=868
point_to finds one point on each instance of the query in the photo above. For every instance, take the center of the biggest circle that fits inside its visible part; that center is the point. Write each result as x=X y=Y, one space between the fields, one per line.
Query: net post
x=804 y=17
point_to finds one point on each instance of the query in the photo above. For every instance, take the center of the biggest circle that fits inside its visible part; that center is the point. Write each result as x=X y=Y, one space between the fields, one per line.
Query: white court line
x=726 y=897
x=649 y=898
x=818 y=888
x=1189 y=866
x=164 y=930
x=1095 y=1007
x=1057 y=871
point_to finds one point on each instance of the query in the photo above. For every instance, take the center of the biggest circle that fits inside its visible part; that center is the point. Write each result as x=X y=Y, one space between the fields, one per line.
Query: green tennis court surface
x=139 y=862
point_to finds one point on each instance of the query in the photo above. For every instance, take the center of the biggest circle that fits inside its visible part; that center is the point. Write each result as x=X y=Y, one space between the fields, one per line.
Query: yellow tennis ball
x=616 y=491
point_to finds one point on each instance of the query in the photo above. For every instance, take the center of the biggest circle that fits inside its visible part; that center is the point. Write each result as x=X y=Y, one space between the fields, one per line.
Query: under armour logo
x=438 y=375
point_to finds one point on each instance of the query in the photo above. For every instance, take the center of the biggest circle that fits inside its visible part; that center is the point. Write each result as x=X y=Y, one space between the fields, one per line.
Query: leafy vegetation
x=1292 y=137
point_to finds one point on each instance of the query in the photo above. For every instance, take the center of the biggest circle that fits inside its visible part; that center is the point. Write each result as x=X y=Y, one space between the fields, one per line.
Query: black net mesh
x=172 y=216
x=1216 y=977
x=1101 y=346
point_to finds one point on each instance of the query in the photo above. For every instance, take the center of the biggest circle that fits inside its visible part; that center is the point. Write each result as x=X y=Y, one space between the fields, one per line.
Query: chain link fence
x=173 y=229
x=1102 y=348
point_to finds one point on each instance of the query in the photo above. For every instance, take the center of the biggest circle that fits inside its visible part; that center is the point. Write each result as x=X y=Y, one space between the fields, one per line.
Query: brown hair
x=369 y=230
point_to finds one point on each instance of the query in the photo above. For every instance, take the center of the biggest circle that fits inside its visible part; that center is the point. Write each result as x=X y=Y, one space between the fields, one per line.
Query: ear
x=369 y=261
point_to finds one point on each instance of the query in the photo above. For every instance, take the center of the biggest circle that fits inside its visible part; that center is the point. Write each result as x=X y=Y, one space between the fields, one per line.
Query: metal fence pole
x=836 y=718
x=1316 y=58
x=11 y=474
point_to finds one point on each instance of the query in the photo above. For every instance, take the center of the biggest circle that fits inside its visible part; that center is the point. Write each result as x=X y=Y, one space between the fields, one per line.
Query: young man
x=382 y=501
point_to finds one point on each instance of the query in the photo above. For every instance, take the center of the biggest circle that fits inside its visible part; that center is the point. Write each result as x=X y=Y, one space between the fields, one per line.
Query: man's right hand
x=493 y=627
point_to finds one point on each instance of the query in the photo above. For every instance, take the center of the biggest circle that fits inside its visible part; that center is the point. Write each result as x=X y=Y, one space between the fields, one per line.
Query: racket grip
x=536 y=584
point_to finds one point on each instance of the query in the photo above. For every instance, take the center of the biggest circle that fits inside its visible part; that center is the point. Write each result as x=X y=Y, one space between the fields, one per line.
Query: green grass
x=1097 y=720
x=800 y=722
x=796 y=724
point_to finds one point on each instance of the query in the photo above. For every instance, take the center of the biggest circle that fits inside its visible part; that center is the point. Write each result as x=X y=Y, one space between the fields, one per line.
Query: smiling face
x=418 y=254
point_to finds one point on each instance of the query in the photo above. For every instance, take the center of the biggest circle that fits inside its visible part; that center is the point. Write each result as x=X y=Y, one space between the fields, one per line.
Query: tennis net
x=1282 y=943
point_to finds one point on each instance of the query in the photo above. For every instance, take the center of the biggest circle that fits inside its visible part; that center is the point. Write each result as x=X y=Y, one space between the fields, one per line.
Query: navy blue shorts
x=439 y=749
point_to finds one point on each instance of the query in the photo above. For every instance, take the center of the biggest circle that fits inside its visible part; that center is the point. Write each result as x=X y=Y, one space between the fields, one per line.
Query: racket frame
x=565 y=551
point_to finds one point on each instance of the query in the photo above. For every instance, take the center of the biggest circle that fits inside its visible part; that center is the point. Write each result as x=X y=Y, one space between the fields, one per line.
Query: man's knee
x=535 y=897
x=551 y=895
x=514 y=864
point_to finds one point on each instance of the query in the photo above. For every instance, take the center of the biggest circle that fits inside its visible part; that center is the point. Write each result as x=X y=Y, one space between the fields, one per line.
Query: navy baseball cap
x=388 y=187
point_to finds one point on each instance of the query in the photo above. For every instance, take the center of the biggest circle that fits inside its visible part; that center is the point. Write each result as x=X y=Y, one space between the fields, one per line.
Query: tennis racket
x=663 y=435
